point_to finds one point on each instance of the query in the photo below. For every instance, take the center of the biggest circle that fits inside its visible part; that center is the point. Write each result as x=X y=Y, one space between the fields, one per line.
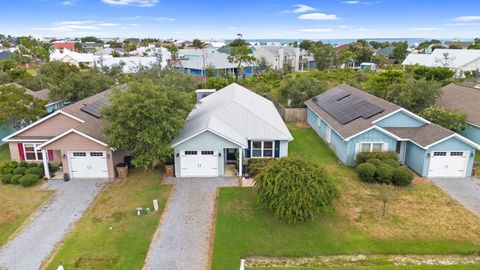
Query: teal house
x=351 y=121
x=465 y=98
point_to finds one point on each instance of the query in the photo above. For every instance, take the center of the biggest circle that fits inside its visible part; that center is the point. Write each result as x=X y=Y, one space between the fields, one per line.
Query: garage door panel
x=199 y=163
x=448 y=164
x=88 y=165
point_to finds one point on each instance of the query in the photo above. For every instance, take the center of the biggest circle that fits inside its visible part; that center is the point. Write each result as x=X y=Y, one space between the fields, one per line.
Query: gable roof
x=464 y=98
x=217 y=60
x=459 y=58
x=359 y=124
x=424 y=135
x=237 y=114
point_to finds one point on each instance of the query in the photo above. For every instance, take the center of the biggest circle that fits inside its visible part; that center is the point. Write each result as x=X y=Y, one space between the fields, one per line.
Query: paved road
x=186 y=229
x=465 y=190
x=48 y=225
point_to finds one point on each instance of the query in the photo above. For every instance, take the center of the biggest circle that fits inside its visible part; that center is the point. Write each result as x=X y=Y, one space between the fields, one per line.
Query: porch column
x=45 y=163
x=240 y=158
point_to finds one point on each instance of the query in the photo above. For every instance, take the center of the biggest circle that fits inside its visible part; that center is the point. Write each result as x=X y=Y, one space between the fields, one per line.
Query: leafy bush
x=391 y=162
x=53 y=167
x=451 y=119
x=33 y=165
x=385 y=173
x=362 y=157
x=15 y=179
x=7 y=178
x=23 y=164
x=402 y=176
x=19 y=170
x=375 y=161
x=8 y=167
x=256 y=165
x=366 y=172
x=35 y=170
x=295 y=188
x=29 y=180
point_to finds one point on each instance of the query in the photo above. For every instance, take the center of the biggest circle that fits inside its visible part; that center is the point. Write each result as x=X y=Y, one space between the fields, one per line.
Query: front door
x=231 y=155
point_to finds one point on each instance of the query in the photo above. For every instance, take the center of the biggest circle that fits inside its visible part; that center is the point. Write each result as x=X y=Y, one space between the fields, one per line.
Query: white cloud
x=316 y=30
x=300 y=8
x=424 y=29
x=72 y=26
x=466 y=18
x=69 y=2
x=464 y=24
x=163 y=19
x=352 y=2
x=318 y=17
x=140 y=3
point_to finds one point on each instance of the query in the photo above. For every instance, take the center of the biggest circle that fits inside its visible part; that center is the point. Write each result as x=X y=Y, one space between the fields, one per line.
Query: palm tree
x=241 y=55
x=174 y=54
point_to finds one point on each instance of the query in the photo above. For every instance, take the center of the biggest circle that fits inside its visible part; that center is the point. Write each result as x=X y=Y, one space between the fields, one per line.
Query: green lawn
x=420 y=219
x=455 y=267
x=110 y=235
x=4 y=153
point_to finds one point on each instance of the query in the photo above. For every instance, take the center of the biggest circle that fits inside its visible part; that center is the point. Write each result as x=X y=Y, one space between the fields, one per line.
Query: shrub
x=391 y=162
x=362 y=157
x=19 y=170
x=7 y=178
x=23 y=164
x=29 y=180
x=15 y=179
x=375 y=161
x=384 y=173
x=295 y=188
x=366 y=172
x=402 y=176
x=34 y=165
x=53 y=167
x=256 y=165
x=35 y=170
x=8 y=167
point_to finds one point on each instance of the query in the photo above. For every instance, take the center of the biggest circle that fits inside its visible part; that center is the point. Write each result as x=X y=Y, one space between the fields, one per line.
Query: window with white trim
x=190 y=153
x=262 y=149
x=30 y=153
x=439 y=154
x=456 y=154
x=96 y=154
x=371 y=147
x=207 y=153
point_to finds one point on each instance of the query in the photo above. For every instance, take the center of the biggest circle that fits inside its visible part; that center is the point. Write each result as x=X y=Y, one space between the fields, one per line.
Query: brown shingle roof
x=463 y=97
x=423 y=135
x=359 y=124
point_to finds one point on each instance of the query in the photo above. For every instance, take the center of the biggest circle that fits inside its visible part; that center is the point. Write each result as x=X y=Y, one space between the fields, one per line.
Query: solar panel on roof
x=344 y=107
x=95 y=108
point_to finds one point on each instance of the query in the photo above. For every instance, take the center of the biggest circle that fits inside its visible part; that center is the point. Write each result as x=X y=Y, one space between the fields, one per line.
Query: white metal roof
x=236 y=114
x=458 y=58
x=216 y=59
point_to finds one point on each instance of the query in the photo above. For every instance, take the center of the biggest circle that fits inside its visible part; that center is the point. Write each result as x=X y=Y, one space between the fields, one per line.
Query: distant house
x=459 y=44
x=197 y=64
x=109 y=52
x=351 y=121
x=368 y=66
x=74 y=58
x=230 y=125
x=458 y=60
x=464 y=97
x=129 y=64
x=61 y=45
x=280 y=57
x=92 y=47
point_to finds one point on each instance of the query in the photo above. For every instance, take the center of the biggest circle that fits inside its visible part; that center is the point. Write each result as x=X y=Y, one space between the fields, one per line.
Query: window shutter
x=277 y=149
x=20 y=151
x=247 y=152
x=50 y=155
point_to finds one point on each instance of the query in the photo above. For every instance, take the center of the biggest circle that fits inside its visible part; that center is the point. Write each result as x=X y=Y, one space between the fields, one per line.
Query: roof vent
x=201 y=93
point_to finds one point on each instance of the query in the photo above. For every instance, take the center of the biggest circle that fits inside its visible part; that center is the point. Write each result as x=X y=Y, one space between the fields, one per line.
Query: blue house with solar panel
x=351 y=121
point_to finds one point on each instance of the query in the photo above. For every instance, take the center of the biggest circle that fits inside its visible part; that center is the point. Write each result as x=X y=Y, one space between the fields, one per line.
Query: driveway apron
x=464 y=190
x=48 y=225
x=186 y=233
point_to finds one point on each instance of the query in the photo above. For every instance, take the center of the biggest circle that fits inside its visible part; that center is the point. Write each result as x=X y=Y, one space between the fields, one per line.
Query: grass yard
x=452 y=267
x=16 y=205
x=420 y=220
x=110 y=235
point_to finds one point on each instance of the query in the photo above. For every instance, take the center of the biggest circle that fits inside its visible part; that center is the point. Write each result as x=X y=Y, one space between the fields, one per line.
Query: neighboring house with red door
x=72 y=137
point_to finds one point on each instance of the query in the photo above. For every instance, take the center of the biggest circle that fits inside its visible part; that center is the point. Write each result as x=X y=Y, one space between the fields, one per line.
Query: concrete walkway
x=185 y=235
x=49 y=224
x=464 y=190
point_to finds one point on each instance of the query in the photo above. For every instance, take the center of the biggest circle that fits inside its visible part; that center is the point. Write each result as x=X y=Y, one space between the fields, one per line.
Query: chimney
x=201 y=93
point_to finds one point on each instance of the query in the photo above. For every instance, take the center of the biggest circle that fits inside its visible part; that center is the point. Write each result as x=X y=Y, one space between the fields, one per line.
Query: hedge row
x=25 y=174
x=385 y=173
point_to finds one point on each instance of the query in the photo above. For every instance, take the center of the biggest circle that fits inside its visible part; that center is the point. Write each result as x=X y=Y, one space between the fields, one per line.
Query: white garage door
x=88 y=165
x=199 y=163
x=448 y=164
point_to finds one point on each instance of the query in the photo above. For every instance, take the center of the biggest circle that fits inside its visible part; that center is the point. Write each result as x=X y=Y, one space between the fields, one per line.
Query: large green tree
x=415 y=95
x=145 y=118
x=18 y=107
x=324 y=54
x=380 y=83
x=80 y=85
x=451 y=119
x=34 y=48
x=295 y=90
x=400 y=51
x=198 y=44
x=241 y=55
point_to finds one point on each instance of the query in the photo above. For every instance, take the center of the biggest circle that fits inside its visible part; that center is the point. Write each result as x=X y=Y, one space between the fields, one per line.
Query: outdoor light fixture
x=64 y=156
x=177 y=155
x=108 y=155
x=471 y=154
x=219 y=154
x=428 y=155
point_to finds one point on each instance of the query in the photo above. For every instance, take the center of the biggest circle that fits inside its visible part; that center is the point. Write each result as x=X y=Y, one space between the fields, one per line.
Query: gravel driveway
x=49 y=224
x=186 y=229
x=465 y=190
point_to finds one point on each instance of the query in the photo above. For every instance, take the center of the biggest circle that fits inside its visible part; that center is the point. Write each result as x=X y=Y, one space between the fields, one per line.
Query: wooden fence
x=293 y=114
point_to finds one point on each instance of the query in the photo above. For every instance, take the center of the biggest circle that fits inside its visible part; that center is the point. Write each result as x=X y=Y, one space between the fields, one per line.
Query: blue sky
x=270 y=19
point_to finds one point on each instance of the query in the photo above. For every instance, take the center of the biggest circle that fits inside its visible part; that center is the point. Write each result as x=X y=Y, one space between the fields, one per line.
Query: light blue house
x=465 y=98
x=351 y=121
x=230 y=125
